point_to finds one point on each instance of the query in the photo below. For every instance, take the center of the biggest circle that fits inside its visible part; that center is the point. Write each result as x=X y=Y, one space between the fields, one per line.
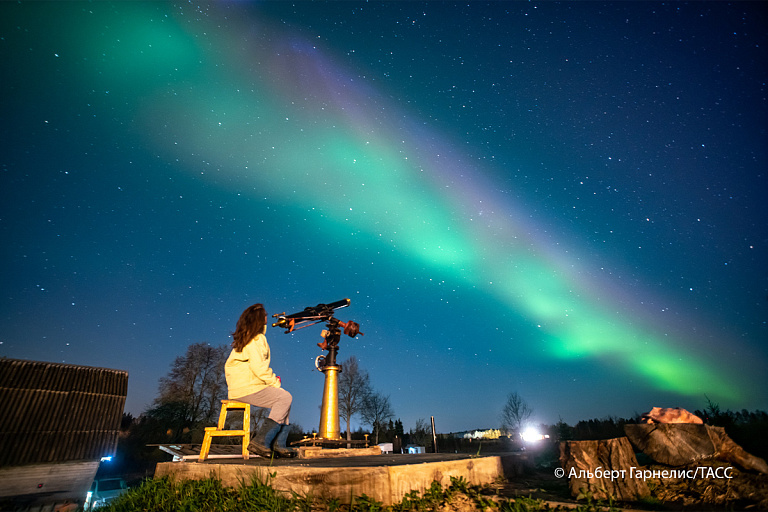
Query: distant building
x=57 y=421
x=491 y=433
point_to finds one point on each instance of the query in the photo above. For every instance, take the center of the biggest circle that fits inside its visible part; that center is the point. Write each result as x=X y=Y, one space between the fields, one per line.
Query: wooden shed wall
x=51 y=412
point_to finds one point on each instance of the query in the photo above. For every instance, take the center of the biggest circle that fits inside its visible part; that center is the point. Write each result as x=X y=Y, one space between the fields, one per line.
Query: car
x=103 y=491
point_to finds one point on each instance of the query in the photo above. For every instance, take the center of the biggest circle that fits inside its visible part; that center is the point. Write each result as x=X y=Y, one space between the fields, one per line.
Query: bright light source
x=532 y=436
x=108 y=458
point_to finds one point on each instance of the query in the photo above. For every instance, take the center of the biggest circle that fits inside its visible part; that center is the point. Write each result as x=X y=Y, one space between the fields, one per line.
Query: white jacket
x=248 y=371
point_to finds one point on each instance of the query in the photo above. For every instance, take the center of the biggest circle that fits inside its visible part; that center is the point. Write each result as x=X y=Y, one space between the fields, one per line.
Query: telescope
x=315 y=315
x=329 y=412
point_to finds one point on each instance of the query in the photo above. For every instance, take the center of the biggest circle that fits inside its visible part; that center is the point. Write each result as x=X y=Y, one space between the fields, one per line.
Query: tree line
x=189 y=398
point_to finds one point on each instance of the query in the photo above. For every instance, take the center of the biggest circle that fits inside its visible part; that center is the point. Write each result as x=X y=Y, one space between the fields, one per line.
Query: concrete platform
x=386 y=478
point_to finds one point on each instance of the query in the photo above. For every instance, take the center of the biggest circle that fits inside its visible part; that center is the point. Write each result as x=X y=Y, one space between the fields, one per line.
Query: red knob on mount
x=351 y=329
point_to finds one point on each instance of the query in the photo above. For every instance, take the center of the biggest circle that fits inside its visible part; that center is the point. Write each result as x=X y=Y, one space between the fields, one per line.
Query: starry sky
x=563 y=200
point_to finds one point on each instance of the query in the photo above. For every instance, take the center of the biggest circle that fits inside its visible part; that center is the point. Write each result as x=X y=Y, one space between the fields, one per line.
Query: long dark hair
x=251 y=323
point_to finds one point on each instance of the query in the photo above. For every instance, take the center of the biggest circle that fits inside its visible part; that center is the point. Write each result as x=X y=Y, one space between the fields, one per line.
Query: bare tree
x=422 y=434
x=196 y=383
x=515 y=412
x=376 y=410
x=354 y=386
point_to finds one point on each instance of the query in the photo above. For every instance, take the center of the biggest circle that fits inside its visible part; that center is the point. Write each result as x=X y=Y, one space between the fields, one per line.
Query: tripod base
x=331 y=443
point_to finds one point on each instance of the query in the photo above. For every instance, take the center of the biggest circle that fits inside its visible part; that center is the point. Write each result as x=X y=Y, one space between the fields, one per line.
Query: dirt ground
x=538 y=484
x=542 y=484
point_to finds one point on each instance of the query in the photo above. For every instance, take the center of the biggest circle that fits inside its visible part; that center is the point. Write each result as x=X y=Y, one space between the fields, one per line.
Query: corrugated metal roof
x=53 y=412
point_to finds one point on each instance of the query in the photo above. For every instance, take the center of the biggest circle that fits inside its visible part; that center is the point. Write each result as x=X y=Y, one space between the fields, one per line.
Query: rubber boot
x=262 y=442
x=280 y=443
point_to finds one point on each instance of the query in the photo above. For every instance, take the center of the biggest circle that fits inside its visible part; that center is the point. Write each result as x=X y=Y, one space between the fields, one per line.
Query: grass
x=166 y=495
x=210 y=495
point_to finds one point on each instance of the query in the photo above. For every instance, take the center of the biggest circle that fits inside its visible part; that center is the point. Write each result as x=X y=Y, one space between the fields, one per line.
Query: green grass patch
x=210 y=495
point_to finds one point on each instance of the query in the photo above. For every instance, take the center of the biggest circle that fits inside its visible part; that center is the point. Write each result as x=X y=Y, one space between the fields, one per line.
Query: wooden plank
x=317 y=452
x=385 y=483
x=67 y=480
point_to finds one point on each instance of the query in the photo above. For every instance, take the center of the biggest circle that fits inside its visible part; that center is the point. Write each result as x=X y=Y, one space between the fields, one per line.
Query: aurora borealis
x=561 y=199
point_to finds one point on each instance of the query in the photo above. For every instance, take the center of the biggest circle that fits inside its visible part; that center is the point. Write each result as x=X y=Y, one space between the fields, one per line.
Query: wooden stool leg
x=246 y=431
x=206 y=447
x=223 y=416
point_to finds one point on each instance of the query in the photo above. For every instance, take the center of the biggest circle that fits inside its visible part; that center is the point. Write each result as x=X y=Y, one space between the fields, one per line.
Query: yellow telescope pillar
x=329 y=412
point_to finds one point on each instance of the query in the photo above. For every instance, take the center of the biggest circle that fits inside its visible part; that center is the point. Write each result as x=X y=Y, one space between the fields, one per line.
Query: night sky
x=564 y=200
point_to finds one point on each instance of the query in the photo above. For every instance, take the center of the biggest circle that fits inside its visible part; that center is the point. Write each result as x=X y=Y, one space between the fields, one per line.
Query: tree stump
x=678 y=444
x=603 y=468
x=674 y=444
x=726 y=449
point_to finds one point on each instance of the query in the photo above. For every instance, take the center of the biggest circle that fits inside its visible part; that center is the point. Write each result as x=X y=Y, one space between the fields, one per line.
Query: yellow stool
x=218 y=431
